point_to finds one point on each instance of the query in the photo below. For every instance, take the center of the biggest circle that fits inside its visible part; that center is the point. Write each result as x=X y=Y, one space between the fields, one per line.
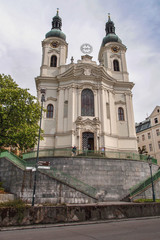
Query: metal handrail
x=53 y=172
x=143 y=185
x=15 y=159
x=67 y=152
x=70 y=181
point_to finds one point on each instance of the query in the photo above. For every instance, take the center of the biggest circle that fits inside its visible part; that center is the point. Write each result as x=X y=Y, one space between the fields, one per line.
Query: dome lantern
x=56 y=27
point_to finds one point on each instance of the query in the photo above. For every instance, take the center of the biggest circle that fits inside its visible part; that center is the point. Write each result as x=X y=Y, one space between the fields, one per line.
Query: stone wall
x=65 y=214
x=111 y=178
x=48 y=190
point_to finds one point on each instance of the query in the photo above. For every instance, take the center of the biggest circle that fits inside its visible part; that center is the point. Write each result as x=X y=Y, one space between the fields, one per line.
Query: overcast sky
x=23 y=25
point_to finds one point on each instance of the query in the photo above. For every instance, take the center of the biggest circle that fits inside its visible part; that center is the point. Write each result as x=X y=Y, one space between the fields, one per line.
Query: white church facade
x=88 y=105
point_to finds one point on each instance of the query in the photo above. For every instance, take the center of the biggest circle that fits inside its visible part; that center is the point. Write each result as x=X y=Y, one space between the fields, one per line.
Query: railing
x=53 y=172
x=70 y=181
x=15 y=159
x=87 y=153
x=143 y=185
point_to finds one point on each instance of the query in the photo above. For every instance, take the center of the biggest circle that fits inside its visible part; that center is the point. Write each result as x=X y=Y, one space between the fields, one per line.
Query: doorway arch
x=88 y=140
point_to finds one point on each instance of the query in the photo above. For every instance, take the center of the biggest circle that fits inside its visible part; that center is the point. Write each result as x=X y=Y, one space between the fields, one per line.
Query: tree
x=142 y=150
x=19 y=115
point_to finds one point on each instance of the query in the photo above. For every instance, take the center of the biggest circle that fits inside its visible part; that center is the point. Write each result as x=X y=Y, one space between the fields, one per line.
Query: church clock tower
x=55 y=48
x=54 y=55
x=112 y=54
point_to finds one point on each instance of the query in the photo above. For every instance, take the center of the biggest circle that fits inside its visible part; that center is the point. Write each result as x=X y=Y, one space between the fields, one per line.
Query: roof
x=143 y=125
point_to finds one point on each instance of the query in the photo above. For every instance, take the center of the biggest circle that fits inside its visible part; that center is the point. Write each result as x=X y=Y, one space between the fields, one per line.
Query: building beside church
x=148 y=134
x=88 y=105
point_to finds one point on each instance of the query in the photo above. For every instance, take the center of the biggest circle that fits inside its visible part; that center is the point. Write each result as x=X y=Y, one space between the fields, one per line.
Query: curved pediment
x=86 y=71
x=83 y=122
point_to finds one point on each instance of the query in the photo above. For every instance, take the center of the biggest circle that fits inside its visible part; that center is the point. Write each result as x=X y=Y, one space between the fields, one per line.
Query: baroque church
x=88 y=105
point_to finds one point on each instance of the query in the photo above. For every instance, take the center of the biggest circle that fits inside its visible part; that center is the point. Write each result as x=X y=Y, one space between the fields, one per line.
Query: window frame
x=116 y=67
x=49 y=113
x=53 y=61
x=121 y=114
x=87 y=103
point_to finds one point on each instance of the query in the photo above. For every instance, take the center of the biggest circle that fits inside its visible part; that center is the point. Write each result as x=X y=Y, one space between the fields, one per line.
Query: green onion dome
x=110 y=33
x=56 y=28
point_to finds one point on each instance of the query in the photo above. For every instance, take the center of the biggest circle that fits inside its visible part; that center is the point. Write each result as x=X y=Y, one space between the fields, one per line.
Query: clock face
x=115 y=49
x=54 y=44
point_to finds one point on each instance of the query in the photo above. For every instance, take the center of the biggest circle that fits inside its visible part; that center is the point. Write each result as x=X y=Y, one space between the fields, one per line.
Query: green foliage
x=18 y=203
x=142 y=150
x=19 y=115
x=145 y=200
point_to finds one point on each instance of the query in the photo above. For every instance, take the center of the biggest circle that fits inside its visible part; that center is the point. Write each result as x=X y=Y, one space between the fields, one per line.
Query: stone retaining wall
x=6 y=197
x=112 y=179
x=77 y=213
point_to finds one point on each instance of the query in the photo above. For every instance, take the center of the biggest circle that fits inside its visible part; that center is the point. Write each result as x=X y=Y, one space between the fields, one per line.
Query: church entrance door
x=88 y=140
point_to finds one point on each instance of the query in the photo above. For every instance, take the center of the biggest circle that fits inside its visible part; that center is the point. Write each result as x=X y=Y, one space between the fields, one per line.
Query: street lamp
x=150 y=165
x=43 y=91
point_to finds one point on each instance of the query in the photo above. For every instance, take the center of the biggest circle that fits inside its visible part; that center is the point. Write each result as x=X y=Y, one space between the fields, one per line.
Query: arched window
x=120 y=114
x=53 y=61
x=50 y=111
x=87 y=103
x=116 y=65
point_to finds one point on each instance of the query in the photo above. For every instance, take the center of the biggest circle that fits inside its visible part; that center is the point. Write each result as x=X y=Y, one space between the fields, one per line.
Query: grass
x=14 y=203
x=145 y=200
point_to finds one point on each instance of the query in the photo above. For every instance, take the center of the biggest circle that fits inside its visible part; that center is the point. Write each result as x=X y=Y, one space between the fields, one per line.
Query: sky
x=23 y=25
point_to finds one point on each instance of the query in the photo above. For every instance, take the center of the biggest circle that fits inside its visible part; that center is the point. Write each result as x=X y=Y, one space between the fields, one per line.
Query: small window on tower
x=50 y=111
x=120 y=114
x=116 y=65
x=53 y=61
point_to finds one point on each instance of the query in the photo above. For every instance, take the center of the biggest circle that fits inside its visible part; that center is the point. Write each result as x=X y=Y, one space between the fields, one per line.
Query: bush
x=18 y=203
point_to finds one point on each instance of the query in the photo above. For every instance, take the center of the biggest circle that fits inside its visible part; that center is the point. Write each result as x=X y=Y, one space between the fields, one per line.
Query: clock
x=115 y=49
x=54 y=44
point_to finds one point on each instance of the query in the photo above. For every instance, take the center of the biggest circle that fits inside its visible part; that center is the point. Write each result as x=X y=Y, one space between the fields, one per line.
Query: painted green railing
x=15 y=159
x=143 y=185
x=70 y=181
x=87 y=153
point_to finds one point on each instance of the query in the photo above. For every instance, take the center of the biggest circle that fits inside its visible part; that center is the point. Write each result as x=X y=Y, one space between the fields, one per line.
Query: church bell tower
x=55 y=49
x=112 y=54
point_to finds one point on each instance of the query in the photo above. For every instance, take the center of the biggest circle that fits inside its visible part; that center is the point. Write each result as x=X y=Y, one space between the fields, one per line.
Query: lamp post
x=43 y=91
x=150 y=165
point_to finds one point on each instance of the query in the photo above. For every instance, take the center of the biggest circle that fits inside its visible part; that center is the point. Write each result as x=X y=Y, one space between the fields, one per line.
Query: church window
x=65 y=109
x=87 y=103
x=53 y=61
x=116 y=65
x=120 y=114
x=50 y=111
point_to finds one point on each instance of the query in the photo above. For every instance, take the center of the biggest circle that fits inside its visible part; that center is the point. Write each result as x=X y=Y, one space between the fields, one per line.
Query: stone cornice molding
x=51 y=50
x=51 y=99
x=120 y=102
x=115 y=56
x=47 y=41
